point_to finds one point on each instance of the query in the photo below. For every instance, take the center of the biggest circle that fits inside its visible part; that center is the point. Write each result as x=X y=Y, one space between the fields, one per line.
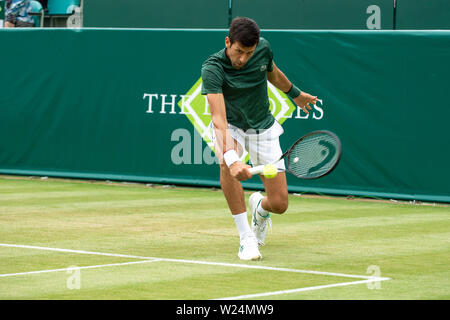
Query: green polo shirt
x=244 y=90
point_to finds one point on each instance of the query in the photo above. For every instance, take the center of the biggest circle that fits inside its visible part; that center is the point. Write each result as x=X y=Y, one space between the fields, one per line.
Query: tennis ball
x=270 y=171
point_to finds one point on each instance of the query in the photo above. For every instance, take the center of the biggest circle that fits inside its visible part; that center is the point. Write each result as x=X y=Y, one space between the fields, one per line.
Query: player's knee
x=280 y=206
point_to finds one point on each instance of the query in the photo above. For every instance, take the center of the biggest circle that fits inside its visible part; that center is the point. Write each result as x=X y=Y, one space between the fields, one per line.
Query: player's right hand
x=240 y=171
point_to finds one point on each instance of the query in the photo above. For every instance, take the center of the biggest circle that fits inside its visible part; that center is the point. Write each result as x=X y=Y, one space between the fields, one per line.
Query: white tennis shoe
x=259 y=223
x=248 y=249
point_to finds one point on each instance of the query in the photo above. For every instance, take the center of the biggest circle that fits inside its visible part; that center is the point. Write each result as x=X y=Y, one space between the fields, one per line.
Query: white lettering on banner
x=164 y=103
x=303 y=115
x=195 y=106
x=183 y=103
x=150 y=96
x=317 y=108
x=374 y=21
x=316 y=113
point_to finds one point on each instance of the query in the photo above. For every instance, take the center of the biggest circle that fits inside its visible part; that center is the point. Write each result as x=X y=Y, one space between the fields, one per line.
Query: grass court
x=74 y=239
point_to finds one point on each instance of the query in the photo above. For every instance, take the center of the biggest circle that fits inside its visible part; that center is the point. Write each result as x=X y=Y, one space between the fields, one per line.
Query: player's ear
x=227 y=42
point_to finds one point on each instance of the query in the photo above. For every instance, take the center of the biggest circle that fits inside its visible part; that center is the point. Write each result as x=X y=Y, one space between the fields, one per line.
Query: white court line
x=73 y=251
x=248 y=266
x=265 y=294
x=368 y=279
x=74 y=268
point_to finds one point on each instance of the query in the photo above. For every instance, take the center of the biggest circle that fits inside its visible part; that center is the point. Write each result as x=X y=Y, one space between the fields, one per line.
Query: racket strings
x=313 y=156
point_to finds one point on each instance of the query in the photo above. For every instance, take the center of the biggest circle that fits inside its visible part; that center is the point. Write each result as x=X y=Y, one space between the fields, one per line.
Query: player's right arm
x=224 y=141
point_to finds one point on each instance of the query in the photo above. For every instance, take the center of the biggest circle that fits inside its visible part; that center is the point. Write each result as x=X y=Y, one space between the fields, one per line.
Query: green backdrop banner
x=125 y=105
x=318 y=14
x=280 y=14
x=422 y=14
x=156 y=13
x=284 y=14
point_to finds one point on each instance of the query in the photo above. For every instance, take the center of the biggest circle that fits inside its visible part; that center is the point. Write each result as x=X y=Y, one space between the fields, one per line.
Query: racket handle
x=257 y=169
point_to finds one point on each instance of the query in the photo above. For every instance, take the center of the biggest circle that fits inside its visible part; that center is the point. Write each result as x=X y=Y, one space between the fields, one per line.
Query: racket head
x=314 y=155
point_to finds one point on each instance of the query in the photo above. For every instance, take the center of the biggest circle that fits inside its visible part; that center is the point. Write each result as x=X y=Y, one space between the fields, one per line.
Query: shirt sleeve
x=212 y=80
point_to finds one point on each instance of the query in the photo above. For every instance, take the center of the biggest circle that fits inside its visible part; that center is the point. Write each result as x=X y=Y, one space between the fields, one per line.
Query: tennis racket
x=312 y=156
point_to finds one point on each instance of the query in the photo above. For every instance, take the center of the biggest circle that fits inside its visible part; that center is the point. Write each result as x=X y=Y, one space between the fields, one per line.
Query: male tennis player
x=235 y=82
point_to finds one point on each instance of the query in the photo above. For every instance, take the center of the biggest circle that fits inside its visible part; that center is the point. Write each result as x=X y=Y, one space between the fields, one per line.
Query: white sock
x=262 y=212
x=242 y=223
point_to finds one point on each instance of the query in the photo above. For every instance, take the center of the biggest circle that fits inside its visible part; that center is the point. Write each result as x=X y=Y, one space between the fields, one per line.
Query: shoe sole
x=256 y=258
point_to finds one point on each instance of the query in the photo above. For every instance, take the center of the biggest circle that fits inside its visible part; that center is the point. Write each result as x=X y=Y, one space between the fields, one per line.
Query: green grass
x=408 y=243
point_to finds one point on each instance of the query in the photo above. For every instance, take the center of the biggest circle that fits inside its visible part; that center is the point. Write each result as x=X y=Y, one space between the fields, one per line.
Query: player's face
x=238 y=54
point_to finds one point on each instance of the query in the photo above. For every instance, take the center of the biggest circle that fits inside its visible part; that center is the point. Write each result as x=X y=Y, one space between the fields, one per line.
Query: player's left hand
x=304 y=99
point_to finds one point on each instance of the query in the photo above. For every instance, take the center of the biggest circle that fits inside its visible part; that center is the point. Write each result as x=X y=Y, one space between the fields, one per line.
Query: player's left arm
x=279 y=80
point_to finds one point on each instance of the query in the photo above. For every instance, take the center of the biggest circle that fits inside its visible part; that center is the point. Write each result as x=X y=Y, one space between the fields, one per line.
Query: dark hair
x=245 y=31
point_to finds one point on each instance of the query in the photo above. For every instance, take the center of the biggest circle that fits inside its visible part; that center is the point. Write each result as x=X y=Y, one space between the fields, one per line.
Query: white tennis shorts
x=262 y=148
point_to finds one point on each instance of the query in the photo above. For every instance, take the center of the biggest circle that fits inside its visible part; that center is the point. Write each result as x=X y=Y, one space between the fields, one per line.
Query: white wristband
x=230 y=157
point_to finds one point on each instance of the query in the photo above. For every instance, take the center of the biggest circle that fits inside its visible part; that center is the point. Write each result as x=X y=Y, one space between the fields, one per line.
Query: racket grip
x=257 y=169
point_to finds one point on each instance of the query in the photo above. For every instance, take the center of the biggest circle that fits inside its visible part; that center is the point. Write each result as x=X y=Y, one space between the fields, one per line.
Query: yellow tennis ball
x=270 y=171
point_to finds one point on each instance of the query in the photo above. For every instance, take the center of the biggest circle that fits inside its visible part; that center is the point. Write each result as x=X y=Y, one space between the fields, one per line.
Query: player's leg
x=232 y=190
x=276 y=200
x=234 y=195
x=265 y=148
x=231 y=187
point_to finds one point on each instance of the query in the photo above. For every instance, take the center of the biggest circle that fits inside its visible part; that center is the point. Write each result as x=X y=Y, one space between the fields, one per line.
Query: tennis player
x=235 y=82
